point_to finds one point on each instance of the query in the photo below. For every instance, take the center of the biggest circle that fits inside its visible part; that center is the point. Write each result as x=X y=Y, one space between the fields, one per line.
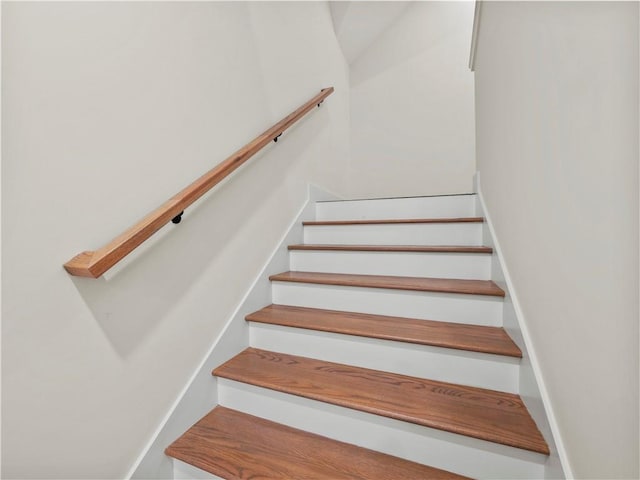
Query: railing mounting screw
x=177 y=218
x=276 y=139
x=322 y=90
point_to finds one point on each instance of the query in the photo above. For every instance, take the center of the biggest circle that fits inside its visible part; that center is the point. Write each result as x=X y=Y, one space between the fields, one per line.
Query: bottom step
x=234 y=445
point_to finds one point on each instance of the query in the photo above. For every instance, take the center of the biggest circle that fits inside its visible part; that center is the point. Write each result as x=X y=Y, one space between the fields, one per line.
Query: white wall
x=412 y=112
x=557 y=137
x=109 y=109
x=358 y=24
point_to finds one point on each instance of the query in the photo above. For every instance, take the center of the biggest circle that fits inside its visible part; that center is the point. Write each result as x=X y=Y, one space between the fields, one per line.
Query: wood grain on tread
x=423 y=284
x=473 y=338
x=234 y=445
x=395 y=220
x=394 y=248
x=485 y=414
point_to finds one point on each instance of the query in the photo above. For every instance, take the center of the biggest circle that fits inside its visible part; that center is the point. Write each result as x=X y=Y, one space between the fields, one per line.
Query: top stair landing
x=442 y=206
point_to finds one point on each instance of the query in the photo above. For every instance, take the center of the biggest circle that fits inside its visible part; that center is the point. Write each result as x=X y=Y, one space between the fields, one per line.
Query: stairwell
x=382 y=355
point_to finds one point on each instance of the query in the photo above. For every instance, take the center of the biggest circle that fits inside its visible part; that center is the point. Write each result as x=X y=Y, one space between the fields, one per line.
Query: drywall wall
x=529 y=388
x=358 y=24
x=108 y=109
x=557 y=150
x=412 y=111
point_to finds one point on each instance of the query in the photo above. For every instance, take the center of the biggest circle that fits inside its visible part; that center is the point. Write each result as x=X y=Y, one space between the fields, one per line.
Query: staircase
x=382 y=356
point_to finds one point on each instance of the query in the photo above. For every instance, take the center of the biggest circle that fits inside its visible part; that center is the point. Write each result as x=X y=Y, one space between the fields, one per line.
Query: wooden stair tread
x=485 y=414
x=394 y=220
x=234 y=445
x=424 y=284
x=474 y=338
x=394 y=248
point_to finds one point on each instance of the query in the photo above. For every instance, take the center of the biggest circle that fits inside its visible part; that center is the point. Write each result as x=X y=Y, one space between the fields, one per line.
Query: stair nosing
x=455 y=249
x=485 y=288
x=539 y=446
x=220 y=442
x=260 y=316
x=393 y=221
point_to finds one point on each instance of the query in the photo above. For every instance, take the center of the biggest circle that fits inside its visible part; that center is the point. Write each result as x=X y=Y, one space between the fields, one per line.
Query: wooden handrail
x=94 y=263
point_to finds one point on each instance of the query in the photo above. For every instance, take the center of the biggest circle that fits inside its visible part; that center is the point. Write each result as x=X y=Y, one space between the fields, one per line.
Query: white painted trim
x=184 y=471
x=472 y=266
x=474 y=35
x=1 y=289
x=535 y=364
x=462 y=233
x=314 y=194
x=438 y=306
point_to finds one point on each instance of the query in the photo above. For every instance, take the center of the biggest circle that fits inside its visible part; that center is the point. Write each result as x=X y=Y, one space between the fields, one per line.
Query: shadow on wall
x=359 y=24
x=131 y=303
x=422 y=27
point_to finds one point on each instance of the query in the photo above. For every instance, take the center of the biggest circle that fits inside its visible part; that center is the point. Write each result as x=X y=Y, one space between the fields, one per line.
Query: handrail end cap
x=80 y=265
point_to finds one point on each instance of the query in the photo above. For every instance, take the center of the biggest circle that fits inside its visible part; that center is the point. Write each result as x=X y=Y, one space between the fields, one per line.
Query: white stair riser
x=444 y=307
x=184 y=471
x=440 y=265
x=452 y=206
x=456 y=453
x=466 y=233
x=448 y=365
